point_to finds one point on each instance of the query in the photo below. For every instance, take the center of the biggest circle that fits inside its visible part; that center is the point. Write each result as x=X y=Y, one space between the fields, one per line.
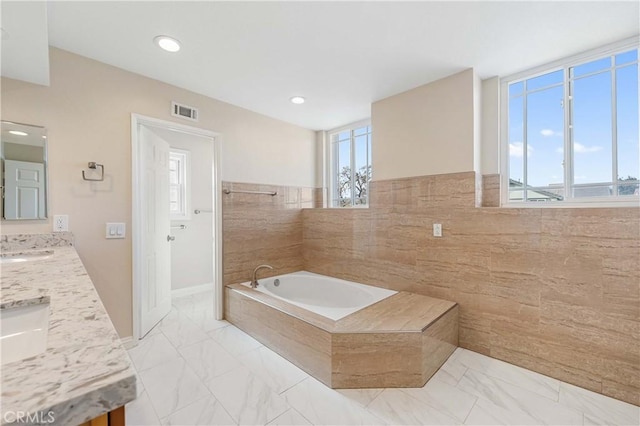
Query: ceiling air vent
x=184 y=111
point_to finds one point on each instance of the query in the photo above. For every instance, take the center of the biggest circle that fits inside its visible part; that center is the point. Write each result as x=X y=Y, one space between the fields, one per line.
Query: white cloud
x=516 y=149
x=579 y=148
x=548 y=132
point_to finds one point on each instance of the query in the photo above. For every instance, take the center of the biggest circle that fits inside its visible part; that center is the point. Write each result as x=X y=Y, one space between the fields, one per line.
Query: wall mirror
x=23 y=168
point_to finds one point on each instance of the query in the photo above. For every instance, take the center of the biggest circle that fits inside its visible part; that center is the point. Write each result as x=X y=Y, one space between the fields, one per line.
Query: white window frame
x=183 y=157
x=563 y=64
x=332 y=166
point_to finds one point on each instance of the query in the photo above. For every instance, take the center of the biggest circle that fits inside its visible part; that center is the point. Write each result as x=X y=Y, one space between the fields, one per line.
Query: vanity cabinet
x=112 y=418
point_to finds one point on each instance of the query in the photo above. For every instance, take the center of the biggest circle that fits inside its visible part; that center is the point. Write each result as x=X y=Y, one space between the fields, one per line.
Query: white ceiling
x=341 y=56
x=25 y=51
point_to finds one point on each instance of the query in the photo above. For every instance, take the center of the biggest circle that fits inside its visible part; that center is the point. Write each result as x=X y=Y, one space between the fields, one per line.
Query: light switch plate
x=115 y=230
x=437 y=230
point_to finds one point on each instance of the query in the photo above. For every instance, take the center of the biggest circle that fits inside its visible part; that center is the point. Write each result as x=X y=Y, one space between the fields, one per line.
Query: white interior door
x=24 y=190
x=155 y=296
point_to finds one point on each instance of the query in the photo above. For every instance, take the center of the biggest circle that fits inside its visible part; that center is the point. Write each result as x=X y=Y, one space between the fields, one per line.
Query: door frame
x=137 y=219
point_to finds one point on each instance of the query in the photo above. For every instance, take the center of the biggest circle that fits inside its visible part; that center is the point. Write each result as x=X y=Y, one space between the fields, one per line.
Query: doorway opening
x=176 y=218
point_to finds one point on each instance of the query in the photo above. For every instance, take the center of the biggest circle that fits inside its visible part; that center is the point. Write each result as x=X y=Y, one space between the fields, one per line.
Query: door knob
x=171 y=238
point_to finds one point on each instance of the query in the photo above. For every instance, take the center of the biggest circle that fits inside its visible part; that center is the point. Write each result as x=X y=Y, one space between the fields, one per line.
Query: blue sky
x=592 y=129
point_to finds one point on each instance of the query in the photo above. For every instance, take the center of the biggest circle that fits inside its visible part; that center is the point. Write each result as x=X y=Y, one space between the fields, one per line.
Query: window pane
x=173 y=199
x=592 y=152
x=343 y=136
x=590 y=67
x=343 y=181
x=516 y=89
x=360 y=131
x=628 y=135
x=516 y=136
x=545 y=80
x=362 y=169
x=545 y=123
x=626 y=57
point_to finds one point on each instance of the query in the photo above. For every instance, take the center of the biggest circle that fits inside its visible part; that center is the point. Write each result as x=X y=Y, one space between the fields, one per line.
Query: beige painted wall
x=490 y=119
x=426 y=130
x=477 y=123
x=87 y=110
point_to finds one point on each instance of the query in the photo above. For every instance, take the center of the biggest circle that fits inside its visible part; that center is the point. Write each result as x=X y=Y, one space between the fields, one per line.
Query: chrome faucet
x=254 y=280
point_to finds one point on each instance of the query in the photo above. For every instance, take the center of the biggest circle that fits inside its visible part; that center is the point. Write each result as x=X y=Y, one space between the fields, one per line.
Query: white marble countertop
x=85 y=371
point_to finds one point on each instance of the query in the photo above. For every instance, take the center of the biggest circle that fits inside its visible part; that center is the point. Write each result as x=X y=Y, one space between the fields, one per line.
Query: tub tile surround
x=552 y=290
x=470 y=388
x=261 y=228
x=400 y=341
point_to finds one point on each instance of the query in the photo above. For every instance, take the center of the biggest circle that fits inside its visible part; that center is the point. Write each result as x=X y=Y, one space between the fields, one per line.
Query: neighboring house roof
x=532 y=194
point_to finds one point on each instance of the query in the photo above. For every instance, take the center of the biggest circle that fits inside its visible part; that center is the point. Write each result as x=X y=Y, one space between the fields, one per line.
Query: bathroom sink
x=25 y=257
x=23 y=331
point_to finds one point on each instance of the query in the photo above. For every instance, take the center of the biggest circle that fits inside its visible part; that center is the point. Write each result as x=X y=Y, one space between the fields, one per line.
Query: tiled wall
x=491 y=190
x=261 y=229
x=553 y=290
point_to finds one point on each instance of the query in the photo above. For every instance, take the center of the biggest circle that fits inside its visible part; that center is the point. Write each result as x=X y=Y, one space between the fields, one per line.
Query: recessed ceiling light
x=18 y=133
x=297 y=100
x=167 y=43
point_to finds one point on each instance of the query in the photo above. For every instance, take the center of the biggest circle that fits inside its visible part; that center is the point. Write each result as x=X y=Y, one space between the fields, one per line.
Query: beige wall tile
x=554 y=290
x=491 y=190
x=263 y=229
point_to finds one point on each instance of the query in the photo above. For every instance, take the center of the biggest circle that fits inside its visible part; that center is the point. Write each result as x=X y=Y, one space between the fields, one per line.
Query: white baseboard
x=192 y=290
x=128 y=342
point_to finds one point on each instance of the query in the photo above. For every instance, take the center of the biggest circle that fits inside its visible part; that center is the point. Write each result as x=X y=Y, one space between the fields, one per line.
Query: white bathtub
x=330 y=297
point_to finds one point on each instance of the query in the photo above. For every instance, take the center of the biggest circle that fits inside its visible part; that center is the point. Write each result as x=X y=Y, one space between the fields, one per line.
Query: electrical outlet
x=60 y=223
x=437 y=230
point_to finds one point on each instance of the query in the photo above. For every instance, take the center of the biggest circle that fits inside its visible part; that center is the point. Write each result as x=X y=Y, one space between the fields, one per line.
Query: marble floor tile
x=208 y=359
x=278 y=373
x=479 y=416
x=486 y=413
x=599 y=409
x=205 y=319
x=398 y=408
x=445 y=398
x=234 y=340
x=181 y=330
x=155 y=330
x=152 y=351
x=206 y=411
x=527 y=379
x=221 y=375
x=247 y=398
x=140 y=412
x=515 y=399
x=324 y=406
x=451 y=371
x=360 y=396
x=194 y=302
x=172 y=386
x=290 y=418
x=139 y=385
